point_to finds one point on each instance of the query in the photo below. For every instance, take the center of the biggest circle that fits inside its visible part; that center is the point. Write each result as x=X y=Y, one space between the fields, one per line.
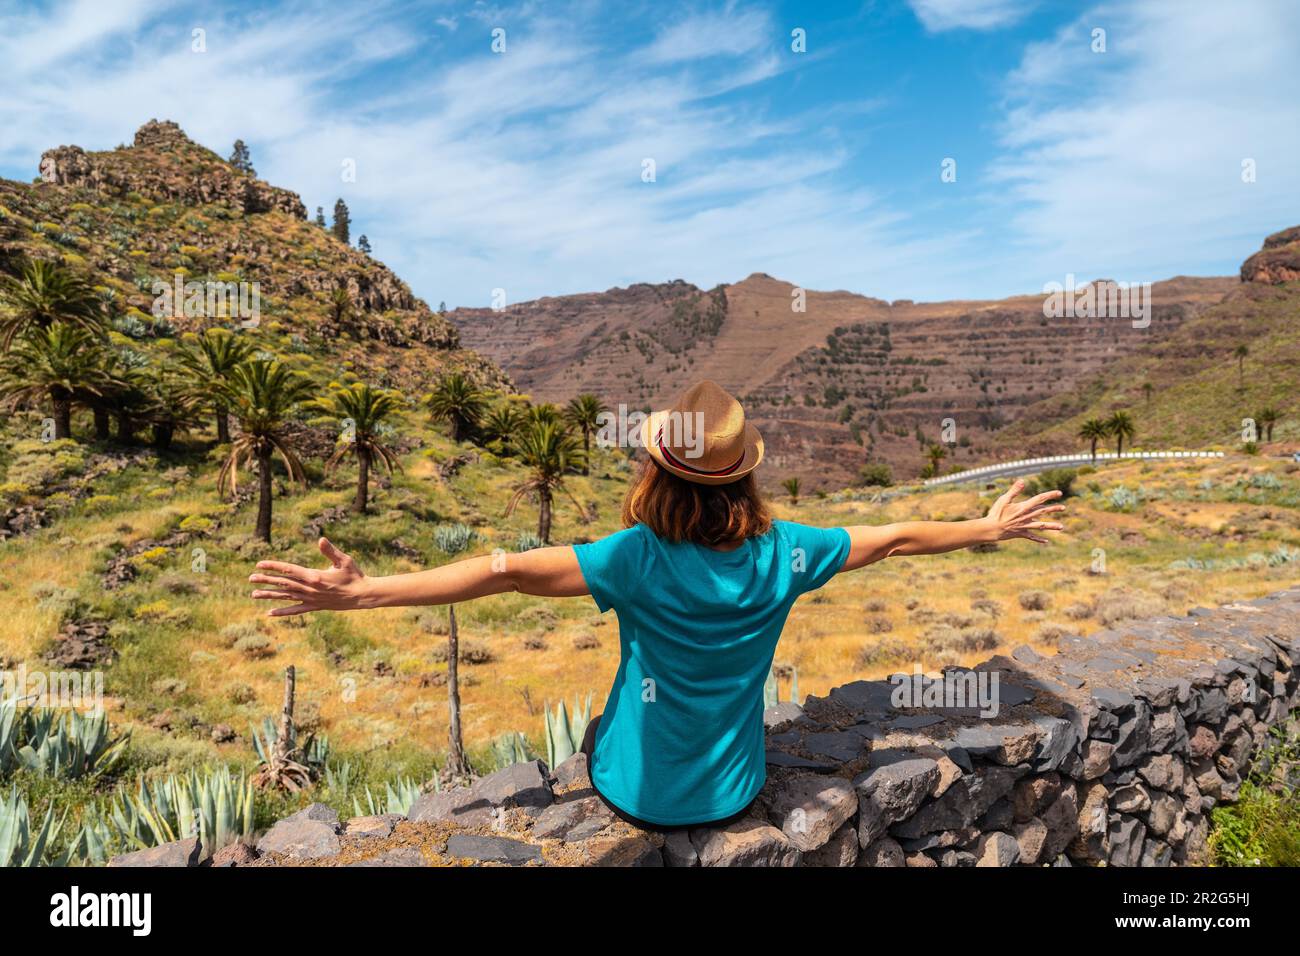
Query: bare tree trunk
x=284 y=739
x=102 y=431
x=457 y=765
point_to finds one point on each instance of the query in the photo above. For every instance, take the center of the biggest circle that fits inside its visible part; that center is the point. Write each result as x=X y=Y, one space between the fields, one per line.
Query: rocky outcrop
x=165 y=165
x=1112 y=752
x=1277 y=262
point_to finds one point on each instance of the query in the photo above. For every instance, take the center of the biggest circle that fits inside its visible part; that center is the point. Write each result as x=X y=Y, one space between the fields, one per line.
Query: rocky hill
x=166 y=207
x=848 y=379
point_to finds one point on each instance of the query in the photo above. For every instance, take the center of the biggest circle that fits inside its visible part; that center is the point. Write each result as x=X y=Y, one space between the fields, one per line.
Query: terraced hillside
x=848 y=380
x=1194 y=387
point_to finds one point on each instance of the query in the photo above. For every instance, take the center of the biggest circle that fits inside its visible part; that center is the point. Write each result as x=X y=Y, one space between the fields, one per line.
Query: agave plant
x=399 y=794
x=72 y=746
x=217 y=807
x=311 y=757
x=564 y=733
x=510 y=749
x=453 y=538
x=21 y=844
x=772 y=689
x=12 y=720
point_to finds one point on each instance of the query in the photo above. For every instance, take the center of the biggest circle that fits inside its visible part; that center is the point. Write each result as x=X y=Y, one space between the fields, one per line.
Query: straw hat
x=703 y=438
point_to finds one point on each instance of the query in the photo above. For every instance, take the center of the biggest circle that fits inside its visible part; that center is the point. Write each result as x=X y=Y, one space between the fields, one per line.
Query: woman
x=702 y=579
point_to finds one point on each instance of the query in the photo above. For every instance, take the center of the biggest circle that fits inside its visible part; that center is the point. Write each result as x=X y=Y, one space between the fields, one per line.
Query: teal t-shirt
x=681 y=738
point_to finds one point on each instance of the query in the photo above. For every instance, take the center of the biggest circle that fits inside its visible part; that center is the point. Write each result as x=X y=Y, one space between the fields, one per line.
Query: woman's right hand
x=340 y=587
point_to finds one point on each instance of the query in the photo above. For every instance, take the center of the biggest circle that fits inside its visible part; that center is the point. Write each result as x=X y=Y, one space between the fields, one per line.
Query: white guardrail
x=975 y=474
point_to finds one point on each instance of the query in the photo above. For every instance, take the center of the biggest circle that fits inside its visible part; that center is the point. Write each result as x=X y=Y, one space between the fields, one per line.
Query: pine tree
x=364 y=245
x=320 y=216
x=342 y=222
x=442 y=308
x=241 y=159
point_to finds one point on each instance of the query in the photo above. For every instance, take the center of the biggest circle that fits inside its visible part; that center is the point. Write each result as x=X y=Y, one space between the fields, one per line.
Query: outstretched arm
x=548 y=572
x=1006 y=519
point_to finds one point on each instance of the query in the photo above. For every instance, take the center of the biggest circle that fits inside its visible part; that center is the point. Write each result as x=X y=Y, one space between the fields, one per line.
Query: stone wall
x=1113 y=750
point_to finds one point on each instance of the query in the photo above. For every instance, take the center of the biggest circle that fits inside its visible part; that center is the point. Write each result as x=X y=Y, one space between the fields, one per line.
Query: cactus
x=564 y=733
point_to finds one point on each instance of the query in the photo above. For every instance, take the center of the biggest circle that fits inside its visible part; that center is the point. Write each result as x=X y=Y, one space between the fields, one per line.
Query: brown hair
x=678 y=510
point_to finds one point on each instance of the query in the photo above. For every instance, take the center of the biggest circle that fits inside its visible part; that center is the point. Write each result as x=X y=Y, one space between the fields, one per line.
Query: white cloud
x=939 y=15
x=1131 y=159
x=728 y=33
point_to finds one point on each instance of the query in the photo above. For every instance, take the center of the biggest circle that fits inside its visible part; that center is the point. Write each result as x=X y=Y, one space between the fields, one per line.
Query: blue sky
x=522 y=170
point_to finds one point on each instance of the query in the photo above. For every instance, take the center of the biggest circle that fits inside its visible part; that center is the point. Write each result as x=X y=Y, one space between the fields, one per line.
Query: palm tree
x=127 y=398
x=211 y=359
x=365 y=408
x=1267 y=418
x=1093 y=431
x=456 y=399
x=542 y=413
x=791 y=486
x=1120 y=426
x=341 y=310
x=583 y=413
x=934 y=454
x=261 y=394
x=549 y=452
x=500 y=423
x=44 y=293
x=59 y=362
x=1240 y=352
x=173 y=406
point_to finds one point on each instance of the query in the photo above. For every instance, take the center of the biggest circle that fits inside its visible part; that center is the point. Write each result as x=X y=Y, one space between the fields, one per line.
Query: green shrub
x=877 y=474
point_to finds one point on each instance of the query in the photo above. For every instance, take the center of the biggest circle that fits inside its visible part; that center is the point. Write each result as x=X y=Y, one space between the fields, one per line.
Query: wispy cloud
x=524 y=170
x=940 y=15
x=1133 y=156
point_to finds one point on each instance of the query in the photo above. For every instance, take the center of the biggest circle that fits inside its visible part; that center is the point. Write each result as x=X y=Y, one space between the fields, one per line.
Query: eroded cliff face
x=1277 y=262
x=1112 y=751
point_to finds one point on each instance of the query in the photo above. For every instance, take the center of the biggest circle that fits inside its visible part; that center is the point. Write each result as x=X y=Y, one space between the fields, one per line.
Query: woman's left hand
x=1023 y=519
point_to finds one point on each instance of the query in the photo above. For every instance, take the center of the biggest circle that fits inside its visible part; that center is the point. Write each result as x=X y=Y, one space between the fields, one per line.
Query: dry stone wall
x=1112 y=751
